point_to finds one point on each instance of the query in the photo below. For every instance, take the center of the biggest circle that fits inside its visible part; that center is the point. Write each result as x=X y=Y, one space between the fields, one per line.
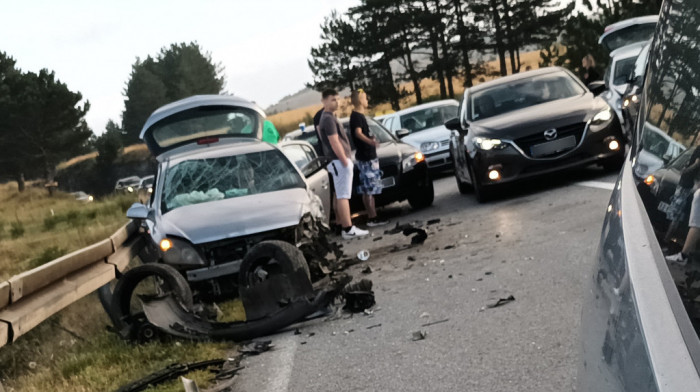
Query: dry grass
x=430 y=89
x=72 y=352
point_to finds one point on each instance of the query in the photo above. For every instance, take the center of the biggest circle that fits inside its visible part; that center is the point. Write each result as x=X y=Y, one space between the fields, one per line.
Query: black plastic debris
x=374 y=326
x=255 y=348
x=419 y=335
x=377 y=238
x=297 y=331
x=449 y=247
x=367 y=270
x=359 y=296
x=501 y=302
x=419 y=237
x=433 y=221
x=488 y=273
x=171 y=372
x=435 y=322
x=411 y=258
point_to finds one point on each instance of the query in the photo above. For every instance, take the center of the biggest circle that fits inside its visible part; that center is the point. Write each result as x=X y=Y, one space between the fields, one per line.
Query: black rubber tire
x=463 y=187
x=124 y=289
x=482 y=195
x=289 y=258
x=424 y=195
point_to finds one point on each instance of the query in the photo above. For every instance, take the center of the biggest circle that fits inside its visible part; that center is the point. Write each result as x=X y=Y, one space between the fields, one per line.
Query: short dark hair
x=328 y=92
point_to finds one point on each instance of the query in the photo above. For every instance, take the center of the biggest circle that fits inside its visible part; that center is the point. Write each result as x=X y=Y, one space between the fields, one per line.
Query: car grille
x=224 y=251
x=568 y=130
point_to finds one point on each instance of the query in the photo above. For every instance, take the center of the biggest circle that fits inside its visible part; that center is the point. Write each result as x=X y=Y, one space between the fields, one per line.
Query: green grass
x=73 y=351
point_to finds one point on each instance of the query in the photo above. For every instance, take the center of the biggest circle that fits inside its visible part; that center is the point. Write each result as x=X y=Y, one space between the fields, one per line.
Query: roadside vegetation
x=73 y=350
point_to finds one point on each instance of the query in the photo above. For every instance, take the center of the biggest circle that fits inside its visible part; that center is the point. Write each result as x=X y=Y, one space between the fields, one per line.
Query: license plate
x=553 y=147
x=388 y=182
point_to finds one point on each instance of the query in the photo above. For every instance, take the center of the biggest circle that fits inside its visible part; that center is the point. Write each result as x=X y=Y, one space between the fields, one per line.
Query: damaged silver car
x=227 y=216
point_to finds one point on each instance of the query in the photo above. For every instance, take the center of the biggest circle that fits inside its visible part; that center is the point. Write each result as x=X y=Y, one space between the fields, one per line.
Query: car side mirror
x=597 y=87
x=455 y=124
x=137 y=211
x=667 y=158
x=401 y=133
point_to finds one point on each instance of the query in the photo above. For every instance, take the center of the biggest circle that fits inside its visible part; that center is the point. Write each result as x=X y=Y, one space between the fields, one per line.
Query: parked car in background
x=530 y=124
x=633 y=90
x=82 y=197
x=220 y=191
x=404 y=170
x=146 y=183
x=128 y=184
x=641 y=316
x=628 y=31
x=622 y=61
x=423 y=127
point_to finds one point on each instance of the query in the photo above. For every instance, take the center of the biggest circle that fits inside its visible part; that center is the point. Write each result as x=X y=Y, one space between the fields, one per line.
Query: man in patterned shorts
x=366 y=157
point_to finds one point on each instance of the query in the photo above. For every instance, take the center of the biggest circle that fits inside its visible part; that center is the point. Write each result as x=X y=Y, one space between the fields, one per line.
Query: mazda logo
x=550 y=134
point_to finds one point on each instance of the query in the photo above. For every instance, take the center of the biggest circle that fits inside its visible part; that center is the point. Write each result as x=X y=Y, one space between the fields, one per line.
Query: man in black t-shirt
x=366 y=157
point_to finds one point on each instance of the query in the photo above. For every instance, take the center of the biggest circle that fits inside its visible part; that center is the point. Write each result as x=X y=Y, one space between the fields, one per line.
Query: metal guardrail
x=33 y=296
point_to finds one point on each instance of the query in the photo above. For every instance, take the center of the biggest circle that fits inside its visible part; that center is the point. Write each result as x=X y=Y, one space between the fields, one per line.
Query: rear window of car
x=428 y=118
x=629 y=35
x=206 y=121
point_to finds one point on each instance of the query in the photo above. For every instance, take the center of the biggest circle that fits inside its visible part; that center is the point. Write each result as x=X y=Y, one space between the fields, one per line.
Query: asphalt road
x=537 y=244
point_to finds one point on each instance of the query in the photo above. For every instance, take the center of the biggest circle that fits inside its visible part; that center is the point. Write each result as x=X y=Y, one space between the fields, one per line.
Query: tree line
x=380 y=45
x=42 y=122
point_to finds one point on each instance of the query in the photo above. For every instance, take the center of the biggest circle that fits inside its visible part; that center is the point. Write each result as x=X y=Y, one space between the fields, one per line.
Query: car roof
x=194 y=102
x=131 y=178
x=225 y=147
x=630 y=50
x=627 y=23
x=514 y=77
x=416 y=108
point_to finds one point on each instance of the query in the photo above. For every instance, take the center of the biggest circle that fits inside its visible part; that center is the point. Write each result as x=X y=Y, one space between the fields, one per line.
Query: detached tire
x=173 y=282
x=423 y=196
x=270 y=258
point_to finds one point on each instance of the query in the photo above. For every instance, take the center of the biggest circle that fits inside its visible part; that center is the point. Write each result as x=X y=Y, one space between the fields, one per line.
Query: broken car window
x=206 y=180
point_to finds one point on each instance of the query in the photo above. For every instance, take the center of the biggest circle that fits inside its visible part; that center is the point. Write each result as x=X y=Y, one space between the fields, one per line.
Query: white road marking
x=597 y=184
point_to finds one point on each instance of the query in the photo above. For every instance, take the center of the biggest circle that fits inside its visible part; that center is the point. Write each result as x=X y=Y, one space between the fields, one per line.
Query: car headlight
x=489 y=144
x=179 y=252
x=429 y=146
x=411 y=161
x=602 y=116
x=130 y=189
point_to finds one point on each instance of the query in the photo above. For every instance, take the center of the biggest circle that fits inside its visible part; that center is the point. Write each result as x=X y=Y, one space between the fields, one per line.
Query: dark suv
x=641 y=314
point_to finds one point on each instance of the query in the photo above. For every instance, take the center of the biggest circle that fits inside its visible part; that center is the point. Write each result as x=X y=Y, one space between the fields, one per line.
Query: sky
x=91 y=45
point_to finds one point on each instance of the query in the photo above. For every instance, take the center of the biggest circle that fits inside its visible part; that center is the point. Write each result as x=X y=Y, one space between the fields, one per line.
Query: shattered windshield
x=204 y=180
x=206 y=121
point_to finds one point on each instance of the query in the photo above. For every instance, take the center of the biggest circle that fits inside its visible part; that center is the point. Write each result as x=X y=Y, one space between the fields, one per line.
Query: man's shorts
x=342 y=179
x=370 y=177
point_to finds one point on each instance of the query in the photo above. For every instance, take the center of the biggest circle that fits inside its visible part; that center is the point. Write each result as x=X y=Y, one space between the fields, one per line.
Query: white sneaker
x=678 y=258
x=354 y=233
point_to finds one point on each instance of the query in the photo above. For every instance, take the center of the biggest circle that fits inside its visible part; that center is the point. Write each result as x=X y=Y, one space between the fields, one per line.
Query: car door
x=313 y=168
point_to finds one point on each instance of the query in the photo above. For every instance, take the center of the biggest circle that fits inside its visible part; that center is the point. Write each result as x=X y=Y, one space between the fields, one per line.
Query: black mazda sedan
x=530 y=124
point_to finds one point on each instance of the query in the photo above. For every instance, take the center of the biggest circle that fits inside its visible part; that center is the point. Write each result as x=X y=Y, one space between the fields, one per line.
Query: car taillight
x=208 y=140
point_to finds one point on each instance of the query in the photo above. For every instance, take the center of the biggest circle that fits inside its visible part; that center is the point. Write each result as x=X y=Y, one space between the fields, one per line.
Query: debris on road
x=425 y=315
x=488 y=273
x=359 y=296
x=435 y=322
x=419 y=335
x=363 y=255
x=255 y=348
x=501 y=302
x=377 y=238
x=449 y=247
x=374 y=326
x=411 y=258
x=433 y=221
x=169 y=373
x=419 y=237
x=297 y=331
x=367 y=270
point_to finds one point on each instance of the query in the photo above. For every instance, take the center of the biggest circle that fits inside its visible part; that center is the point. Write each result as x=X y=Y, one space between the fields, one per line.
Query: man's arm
x=338 y=149
x=360 y=135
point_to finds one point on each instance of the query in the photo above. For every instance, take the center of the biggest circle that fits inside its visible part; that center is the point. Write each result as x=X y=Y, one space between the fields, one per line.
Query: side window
x=310 y=153
x=296 y=154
